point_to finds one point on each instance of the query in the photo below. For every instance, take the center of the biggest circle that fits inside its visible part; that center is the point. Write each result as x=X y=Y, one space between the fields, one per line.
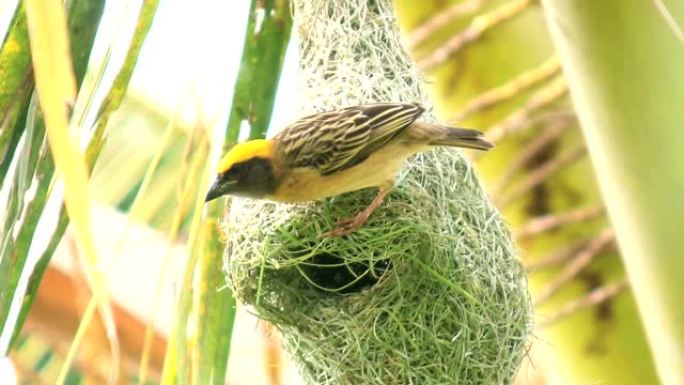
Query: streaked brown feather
x=336 y=140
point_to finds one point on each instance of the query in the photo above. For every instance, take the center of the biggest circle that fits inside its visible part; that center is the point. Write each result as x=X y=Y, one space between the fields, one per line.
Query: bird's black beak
x=216 y=190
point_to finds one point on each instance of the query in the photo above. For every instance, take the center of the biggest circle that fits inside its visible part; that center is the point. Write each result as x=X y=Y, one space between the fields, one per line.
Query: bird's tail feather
x=463 y=137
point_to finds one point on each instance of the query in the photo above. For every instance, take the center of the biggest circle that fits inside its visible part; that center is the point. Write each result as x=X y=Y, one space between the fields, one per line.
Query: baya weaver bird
x=335 y=152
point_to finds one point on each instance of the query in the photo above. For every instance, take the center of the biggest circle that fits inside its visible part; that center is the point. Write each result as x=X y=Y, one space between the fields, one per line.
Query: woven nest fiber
x=429 y=291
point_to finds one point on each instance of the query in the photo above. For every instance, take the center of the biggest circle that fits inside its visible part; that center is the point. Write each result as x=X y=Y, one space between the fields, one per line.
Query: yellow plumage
x=244 y=151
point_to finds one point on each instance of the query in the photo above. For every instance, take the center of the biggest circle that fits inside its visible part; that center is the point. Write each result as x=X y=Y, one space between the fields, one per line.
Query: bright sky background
x=191 y=59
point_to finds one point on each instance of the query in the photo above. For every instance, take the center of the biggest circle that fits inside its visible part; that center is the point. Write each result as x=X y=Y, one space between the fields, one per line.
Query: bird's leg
x=350 y=225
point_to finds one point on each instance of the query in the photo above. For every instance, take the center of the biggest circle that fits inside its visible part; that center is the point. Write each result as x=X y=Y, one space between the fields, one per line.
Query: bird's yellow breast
x=301 y=185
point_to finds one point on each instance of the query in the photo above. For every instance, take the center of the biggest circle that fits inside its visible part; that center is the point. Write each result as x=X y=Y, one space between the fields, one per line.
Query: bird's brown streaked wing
x=336 y=140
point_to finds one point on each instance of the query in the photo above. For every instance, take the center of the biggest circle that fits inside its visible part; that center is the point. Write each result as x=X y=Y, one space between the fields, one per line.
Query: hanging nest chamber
x=429 y=291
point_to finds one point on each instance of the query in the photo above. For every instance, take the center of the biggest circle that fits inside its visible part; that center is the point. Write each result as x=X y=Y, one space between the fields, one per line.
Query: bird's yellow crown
x=261 y=148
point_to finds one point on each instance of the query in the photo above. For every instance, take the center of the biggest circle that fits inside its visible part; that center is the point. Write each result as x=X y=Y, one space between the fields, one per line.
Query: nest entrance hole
x=331 y=273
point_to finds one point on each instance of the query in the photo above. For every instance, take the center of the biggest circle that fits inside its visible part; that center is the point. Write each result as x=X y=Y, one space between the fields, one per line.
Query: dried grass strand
x=553 y=221
x=591 y=299
x=440 y=20
x=510 y=88
x=557 y=124
x=577 y=264
x=542 y=173
x=480 y=25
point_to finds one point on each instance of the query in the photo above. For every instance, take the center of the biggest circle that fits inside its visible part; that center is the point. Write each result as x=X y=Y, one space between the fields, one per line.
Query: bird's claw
x=346 y=226
x=349 y=225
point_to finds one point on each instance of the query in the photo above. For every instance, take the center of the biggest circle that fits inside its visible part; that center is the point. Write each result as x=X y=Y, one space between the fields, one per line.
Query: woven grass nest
x=428 y=292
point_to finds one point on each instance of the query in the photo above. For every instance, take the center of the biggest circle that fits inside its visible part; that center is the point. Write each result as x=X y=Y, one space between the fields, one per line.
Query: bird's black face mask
x=253 y=178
